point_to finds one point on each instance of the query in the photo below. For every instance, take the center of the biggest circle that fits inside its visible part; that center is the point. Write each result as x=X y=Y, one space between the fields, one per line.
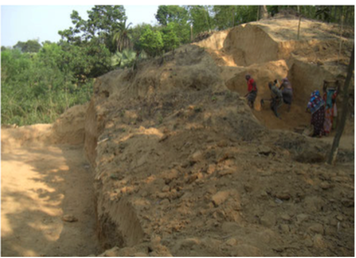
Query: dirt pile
x=69 y=128
x=183 y=167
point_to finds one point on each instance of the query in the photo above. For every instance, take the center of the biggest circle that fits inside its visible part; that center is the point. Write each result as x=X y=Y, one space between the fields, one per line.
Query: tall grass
x=34 y=92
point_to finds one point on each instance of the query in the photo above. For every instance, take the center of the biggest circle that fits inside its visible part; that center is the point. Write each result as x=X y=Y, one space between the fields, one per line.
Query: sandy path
x=38 y=186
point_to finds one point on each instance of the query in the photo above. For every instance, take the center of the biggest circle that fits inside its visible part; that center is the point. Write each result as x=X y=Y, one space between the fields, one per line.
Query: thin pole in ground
x=340 y=129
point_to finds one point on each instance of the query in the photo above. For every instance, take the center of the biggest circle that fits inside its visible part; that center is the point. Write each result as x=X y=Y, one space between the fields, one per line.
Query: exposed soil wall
x=250 y=45
x=183 y=167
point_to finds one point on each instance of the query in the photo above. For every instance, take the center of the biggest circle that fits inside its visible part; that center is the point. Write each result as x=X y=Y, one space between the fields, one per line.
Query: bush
x=35 y=89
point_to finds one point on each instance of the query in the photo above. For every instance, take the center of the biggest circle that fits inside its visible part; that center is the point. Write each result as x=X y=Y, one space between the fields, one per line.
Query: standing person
x=329 y=98
x=277 y=97
x=316 y=106
x=252 y=90
x=287 y=92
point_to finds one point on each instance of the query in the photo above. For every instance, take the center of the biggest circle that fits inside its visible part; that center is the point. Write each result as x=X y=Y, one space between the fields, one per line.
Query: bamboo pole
x=339 y=53
x=300 y=18
x=340 y=128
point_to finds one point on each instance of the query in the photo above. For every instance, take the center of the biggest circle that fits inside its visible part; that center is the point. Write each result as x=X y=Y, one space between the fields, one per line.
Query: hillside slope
x=183 y=167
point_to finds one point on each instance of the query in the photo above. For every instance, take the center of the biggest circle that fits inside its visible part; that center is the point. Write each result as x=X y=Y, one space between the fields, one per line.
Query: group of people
x=323 y=108
x=279 y=93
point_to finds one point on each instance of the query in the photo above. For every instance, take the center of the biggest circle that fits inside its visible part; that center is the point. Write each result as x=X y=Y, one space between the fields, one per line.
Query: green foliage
x=34 y=89
x=178 y=17
x=122 y=36
x=246 y=13
x=91 y=59
x=136 y=33
x=169 y=36
x=124 y=59
x=227 y=16
x=224 y=16
x=31 y=46
x=171 y=13
x=200 y=18
x=102 y=24
x=151 y=42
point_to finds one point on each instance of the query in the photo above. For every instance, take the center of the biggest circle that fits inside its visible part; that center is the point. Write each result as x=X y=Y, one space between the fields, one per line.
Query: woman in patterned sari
x=316 y=106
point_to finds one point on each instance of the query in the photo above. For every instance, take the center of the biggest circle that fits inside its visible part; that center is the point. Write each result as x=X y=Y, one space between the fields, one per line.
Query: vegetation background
x=39 y=81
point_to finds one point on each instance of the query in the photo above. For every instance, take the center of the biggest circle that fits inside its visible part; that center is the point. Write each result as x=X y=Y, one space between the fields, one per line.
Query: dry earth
x=181 y=165
x=41 y=185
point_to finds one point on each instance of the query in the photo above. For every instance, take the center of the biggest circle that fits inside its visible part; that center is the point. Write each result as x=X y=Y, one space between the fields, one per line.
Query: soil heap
x=183 y=167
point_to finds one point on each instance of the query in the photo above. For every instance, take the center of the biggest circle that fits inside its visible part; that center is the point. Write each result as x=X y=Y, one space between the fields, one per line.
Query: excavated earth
x=181 y=166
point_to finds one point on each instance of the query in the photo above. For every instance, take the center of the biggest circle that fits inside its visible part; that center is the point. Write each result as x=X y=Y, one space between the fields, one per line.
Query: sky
x=28 y=22
x=21 y=21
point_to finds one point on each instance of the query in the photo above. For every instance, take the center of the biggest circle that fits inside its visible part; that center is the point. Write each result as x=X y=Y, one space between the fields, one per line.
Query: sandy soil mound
x=68 y=129
x=183 y=167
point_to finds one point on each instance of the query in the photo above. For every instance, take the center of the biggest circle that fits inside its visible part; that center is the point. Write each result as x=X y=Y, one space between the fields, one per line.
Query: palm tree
x=121 y=36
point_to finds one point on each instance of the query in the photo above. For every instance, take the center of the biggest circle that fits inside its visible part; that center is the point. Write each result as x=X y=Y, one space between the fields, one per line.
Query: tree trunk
x=311 y=12
x=340 y=129
x=347 y=15
x=335 y=13
x=233 y=16
x=300 y=19
x=341 y=12
x=264 y=12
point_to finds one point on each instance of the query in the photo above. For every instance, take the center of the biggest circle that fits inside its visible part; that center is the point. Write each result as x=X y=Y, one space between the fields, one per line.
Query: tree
x=136 y=33
x=340 y=129
x=227 y=16
x=200 y=18
x=151 y=42
x=87 y=45
x=170 y=39
x=247 y=13
x=178 y=15
x=105 y=18
x=323 y=13
x=122 y=36
x=102 y=21
x=263 y=12
x=171 y=13
x=224 y=16
x=46 y=42
x=30 y=46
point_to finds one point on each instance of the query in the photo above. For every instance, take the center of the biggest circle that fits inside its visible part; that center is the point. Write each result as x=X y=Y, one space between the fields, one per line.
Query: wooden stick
x=340 y=129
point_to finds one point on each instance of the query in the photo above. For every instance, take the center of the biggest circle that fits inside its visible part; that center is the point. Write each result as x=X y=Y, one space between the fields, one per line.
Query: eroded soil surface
x=39 y=186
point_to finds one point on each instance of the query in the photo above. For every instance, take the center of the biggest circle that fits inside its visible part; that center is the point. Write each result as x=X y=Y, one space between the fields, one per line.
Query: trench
x=39 y=186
